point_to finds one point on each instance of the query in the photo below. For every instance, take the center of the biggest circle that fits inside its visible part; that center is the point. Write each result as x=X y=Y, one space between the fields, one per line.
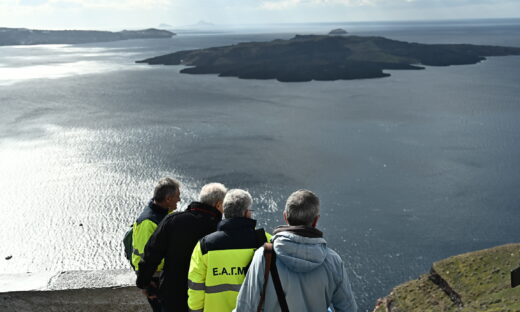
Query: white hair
x=236 y=203
x=302 y=208
x=212 y=193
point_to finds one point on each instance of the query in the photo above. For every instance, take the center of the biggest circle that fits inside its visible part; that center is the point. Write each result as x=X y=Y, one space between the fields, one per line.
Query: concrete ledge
x=71 y=291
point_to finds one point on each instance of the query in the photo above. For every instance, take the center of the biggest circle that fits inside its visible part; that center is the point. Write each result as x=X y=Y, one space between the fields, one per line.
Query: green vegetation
x=480 y=279
x=305 y=58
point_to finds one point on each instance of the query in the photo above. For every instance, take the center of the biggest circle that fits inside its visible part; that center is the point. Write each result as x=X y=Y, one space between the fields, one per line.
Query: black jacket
x=234 y=233
x=174 y=240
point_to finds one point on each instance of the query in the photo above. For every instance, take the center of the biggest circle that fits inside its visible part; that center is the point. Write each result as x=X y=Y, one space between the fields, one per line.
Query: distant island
x=323 y=57
x=23 y=36
x=338 y=31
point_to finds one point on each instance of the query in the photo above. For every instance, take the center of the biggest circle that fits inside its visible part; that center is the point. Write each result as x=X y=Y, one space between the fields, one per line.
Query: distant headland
x=323 y=57
x=23 y=36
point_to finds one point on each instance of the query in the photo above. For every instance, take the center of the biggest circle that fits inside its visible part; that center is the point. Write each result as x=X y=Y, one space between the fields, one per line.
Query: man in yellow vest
x=165 y=198
x=173 y=241
x=220 y=260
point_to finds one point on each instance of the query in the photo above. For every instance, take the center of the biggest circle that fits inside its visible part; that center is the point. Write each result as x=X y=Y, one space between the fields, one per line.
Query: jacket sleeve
x=249 y=295
x=197 y=279
x=154 y=252
x=343 y=297
x=141 y=235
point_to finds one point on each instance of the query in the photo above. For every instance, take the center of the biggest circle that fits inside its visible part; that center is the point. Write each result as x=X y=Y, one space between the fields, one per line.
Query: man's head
x=302 y=208
x=213 y=194
x=237 y=203
x=167 y=193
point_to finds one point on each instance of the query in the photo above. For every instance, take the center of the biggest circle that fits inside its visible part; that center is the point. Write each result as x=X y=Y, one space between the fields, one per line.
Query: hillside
x=476 y=281
x=23 y=36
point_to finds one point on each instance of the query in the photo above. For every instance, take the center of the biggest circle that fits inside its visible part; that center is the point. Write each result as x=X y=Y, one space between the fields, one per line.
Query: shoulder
x=146 y=214
x=333 y=259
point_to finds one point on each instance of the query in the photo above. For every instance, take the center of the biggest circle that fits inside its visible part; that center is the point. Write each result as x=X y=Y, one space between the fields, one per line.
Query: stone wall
x=71 y=291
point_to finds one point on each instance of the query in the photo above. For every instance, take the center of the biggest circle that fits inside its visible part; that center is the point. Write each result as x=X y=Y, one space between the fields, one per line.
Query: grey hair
x=236 y=203
x=212 y=193
x=164 y=188
x=302 y=207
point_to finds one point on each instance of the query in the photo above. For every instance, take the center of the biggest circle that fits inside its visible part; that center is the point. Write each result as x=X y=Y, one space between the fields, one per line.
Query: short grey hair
x=212 y=193
x=164 y=188
x=302 y=207
x=236 y=203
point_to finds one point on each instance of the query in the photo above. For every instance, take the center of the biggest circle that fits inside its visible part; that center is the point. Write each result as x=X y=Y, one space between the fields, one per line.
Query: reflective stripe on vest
x=213 y=289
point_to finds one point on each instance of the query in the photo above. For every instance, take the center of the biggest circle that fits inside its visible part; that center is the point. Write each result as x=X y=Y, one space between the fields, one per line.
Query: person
x=166 y=195
x=219 y=261
x=312 y=275
x=174 y=240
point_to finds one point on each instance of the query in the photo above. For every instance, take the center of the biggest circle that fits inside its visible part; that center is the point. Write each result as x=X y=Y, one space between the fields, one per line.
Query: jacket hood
x=299 y=253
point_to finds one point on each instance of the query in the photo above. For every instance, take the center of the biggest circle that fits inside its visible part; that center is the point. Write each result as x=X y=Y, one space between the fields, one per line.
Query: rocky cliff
x=476 y=281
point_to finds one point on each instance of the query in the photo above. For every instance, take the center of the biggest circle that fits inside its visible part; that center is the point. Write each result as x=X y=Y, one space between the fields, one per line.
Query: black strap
x=278 y=284
x=268 y=252
x=260 y=237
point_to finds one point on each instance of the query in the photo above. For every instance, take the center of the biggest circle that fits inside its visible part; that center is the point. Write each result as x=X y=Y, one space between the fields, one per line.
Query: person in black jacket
x=174 y=240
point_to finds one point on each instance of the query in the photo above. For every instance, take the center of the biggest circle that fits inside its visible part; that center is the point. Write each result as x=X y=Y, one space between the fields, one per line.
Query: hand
x=151 y=291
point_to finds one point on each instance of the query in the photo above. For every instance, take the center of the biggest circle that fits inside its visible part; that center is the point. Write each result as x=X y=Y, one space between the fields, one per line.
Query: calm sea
x=410 y=169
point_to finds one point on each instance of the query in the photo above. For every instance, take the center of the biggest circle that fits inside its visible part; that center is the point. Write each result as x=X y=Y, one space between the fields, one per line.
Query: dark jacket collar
x=236 y=224
x=301 y=230
x=206 y=209
x=157 y=209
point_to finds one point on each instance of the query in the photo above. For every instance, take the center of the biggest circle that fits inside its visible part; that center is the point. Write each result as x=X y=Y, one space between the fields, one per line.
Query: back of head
x=212 y=193
x=164 y=188
x=302 y=207
x=236 y=203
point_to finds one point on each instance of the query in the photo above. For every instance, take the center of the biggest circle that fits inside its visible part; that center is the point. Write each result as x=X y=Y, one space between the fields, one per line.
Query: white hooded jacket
x=313 y=276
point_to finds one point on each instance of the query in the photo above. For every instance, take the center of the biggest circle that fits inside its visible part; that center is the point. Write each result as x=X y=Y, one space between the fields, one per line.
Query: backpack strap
x=268 y=252
x=270 y=266
x=260 y=237
x=278 y=285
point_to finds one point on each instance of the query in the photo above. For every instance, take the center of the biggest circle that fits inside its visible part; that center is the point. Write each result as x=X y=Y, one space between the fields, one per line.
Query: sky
x=131 y=14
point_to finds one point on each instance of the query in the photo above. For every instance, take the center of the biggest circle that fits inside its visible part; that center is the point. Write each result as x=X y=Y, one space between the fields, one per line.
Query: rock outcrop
x=476 y=281
x=338 y=31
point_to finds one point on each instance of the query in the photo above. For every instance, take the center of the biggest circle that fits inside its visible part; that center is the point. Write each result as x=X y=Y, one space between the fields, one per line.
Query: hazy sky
x=119 y=14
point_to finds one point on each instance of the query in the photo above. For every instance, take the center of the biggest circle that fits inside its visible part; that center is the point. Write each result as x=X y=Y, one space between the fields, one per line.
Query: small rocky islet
x=325 y=57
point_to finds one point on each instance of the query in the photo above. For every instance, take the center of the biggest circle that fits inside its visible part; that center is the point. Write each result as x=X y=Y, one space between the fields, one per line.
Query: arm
x=197 y=279
x=343 y=298
x=249 y=295
x=154 y=252
x=141 y=235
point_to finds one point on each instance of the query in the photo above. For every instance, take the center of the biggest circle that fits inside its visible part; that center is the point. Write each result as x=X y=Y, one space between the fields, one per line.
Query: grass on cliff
x=481 y=278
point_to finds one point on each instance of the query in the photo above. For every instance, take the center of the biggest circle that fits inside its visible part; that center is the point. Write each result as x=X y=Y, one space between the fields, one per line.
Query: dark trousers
x=155 y=304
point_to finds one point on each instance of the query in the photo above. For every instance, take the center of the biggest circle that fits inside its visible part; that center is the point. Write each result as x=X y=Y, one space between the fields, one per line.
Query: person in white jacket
x=312 y=275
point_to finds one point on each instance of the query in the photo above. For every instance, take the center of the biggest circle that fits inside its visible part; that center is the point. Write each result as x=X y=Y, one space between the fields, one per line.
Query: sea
x=410 y=169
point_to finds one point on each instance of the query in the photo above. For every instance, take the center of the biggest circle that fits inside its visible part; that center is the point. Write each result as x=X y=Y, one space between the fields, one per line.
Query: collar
x=157 y=209
x=206 y=209
x=301 y=230
x=236 y=224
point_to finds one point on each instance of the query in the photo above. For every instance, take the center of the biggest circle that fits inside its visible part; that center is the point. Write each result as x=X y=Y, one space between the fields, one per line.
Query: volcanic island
x=322 y=57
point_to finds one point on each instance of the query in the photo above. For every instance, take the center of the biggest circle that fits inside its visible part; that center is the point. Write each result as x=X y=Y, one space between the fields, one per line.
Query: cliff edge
x=475 y=281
